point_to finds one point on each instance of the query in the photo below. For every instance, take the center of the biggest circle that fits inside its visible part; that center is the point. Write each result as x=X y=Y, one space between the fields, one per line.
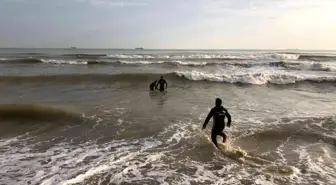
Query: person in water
x=218 y=114
x=162 y=82
x=152 y=85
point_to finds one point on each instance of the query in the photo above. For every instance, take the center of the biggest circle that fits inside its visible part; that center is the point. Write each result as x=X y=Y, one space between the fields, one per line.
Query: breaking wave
x=253 y=78
x=247 y=78
x=85 y=55
x=35 y=112
x=50 y=61
x=74 y=62
x=306 y=56
x=296 y=65
x=318 y=57
x=174 y=62
x=308 y=66
x=23 y=61
x=192 y=56
x=282 y=56
x=185 y=57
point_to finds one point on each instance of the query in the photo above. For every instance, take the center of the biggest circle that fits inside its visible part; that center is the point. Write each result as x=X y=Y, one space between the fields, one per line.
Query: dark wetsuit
x=218 y=114
x=162 y=84
x=152 y=86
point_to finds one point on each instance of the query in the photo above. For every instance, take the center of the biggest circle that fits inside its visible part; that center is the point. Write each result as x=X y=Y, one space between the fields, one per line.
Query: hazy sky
x=221 y=24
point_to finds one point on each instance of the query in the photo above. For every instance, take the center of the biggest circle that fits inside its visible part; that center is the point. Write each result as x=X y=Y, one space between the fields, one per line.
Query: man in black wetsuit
x=218 y=113
x=152 y=85
x=162 y=82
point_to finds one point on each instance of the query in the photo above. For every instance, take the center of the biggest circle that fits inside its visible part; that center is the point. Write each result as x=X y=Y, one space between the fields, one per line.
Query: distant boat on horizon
x=74 y=47
x=139 y=48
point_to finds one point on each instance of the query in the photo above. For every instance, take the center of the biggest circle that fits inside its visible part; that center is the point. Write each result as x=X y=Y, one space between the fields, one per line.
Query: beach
x=87 y=116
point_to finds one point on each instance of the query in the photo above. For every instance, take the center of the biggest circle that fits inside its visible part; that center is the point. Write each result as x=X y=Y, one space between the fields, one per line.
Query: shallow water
x=107 y=128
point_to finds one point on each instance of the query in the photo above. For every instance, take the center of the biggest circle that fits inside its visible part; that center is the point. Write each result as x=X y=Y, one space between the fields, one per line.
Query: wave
x=140 y=62
x=120 y=56
x=85 y=55
x=78 y=78
x=23 y=61
x=285 y=56
x=50 y=61
x=314 y=129
x=317 y=57
x=294 y=65
x=192 y=56
x=254 y=78
x=126 y=62
x=33 y=53
x=305 y=56
x=184 y=57
x=205 y=57
x=308 y=66
x=174 y=62
x=248 y=78
x=74 y=62
x=35 y=112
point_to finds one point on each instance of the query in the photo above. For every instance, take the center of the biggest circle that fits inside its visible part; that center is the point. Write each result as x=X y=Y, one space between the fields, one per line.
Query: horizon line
x=232 y=49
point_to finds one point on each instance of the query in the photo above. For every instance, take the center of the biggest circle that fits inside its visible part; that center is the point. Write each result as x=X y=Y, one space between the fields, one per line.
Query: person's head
x=218 y=102
x=161 y=77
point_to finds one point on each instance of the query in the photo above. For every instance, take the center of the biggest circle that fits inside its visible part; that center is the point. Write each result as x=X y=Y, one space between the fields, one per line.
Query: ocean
x=87 y=116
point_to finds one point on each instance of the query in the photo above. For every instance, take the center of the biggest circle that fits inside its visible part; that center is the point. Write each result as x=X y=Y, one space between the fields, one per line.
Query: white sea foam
x=89 y=173
x=8 y=141
x=179 y=62
x=311 y=66
x=4 y=59
x=279 y=56
x=141 y=161
x=141 y=62
x=64 y=164
x=129 y=56
x=316 y=165
x=57 y=61
x=253 y=78
x=189 y=63
x=220 y=56
x=185 y=56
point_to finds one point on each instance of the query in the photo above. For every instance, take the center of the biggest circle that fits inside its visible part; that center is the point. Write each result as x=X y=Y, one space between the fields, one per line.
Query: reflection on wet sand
x=160 y=97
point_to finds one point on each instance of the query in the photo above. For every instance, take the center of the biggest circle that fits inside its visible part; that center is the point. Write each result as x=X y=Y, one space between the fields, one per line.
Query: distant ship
x=139 y=48
x=74 y=47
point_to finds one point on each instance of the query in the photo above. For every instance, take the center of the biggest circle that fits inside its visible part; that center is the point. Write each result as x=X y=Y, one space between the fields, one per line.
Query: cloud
x=261 y=7
x=116 y=3
x=170 y=23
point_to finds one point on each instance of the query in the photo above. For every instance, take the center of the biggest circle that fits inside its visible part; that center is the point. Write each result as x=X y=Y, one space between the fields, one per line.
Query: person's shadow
x=159 y=97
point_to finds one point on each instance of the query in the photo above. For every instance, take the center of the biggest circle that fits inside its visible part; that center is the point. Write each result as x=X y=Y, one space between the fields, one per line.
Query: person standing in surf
x=152 y=85
x=218 y=114
x=162 y=82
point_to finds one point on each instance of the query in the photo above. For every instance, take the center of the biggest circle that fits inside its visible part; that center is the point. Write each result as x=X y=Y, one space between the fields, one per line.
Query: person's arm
x=207 y=119
x=229 y=118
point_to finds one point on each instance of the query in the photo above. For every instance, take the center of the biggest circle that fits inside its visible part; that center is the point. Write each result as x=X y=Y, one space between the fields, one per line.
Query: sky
x=169 y=24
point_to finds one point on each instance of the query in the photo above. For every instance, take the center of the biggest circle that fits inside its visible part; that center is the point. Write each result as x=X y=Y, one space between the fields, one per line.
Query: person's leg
x=214 y=139
x=223 y=135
